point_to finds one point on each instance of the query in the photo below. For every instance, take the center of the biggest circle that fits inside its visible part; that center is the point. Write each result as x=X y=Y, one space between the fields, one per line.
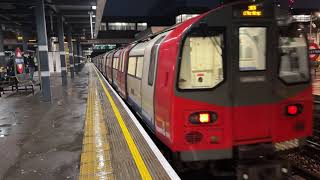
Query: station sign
x=19 y=62
x=314 y=51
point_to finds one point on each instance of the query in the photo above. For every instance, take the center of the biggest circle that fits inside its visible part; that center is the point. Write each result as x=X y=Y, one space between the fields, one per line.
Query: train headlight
x=203 y=117
x=294 y=109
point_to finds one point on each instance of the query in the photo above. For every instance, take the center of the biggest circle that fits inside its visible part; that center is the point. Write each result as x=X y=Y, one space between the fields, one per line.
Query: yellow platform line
x=143 y=170
x=95 y=157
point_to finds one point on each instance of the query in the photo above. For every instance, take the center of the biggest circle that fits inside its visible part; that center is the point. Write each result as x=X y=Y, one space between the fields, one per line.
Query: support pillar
x=75 y=55
x=91 y=25
x=62 y=51
x=43 y=51
x=78 y=53
x=2 y=49
x=69 y=37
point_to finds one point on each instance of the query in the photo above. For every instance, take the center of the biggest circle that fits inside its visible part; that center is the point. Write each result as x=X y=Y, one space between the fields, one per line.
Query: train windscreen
x=202 y=61
x=294 y=65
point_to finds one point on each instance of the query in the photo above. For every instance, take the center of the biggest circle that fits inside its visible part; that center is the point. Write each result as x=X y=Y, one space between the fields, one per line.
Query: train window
x=132 y=66
x=115 y=63
x=202 y=62
x=294 y=66
x=154 y=54
x=122 y=62
x=252 y=48
x=139 y=67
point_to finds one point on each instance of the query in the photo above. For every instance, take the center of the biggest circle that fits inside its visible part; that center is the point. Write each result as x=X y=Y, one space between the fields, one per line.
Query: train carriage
x=233 y=83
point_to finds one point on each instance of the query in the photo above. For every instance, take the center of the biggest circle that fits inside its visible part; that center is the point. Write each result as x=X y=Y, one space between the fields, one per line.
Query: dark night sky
x=307 y=4
x=166 y=7
x=151 y=7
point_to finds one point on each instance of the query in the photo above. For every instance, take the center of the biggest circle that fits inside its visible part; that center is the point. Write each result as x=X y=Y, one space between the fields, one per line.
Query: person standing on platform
x=31 y=66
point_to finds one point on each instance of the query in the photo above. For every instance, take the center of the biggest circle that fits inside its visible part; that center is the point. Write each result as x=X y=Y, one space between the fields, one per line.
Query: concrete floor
x=41 y=140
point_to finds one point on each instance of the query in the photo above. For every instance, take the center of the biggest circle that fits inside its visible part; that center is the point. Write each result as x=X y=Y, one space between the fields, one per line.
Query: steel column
x=1 y=49
x=91 y=26
x=75 y=55
x=70 y=45
x=62 y=51
x=43 y=51
x=78 y=53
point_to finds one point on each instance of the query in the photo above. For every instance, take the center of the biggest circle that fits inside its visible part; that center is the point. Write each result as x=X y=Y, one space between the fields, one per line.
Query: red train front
x=246 y=76
x=231 y=83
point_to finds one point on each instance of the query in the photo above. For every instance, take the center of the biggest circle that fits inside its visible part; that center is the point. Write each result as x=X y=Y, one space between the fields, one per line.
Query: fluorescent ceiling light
x=94 y=7
x=93 y=15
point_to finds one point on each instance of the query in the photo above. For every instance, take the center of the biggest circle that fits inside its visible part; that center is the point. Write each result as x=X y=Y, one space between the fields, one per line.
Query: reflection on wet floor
x=5 y=129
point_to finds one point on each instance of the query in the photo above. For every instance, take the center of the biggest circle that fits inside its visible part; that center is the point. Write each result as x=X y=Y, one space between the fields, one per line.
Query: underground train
x=232 y=83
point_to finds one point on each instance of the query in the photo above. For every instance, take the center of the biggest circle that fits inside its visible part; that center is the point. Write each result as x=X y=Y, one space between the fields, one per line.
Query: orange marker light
x=204 y=117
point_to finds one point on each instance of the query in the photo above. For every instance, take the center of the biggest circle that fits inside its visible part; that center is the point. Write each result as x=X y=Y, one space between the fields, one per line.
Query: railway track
x=314 y=141
x=306 y=161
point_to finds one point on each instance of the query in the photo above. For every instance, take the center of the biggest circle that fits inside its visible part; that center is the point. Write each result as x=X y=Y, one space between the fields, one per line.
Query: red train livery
x=234 y=78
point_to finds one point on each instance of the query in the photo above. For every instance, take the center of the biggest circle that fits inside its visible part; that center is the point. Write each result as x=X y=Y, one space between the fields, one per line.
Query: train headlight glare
x=202 y=117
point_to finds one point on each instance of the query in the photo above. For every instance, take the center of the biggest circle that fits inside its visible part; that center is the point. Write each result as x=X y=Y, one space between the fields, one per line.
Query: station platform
x=114 y=136
x=41 y=140
x=86 y=132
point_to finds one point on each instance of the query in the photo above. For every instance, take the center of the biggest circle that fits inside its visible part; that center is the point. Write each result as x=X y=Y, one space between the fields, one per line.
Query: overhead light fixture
x=93 y=7
x=19 y=38
x=93 y=15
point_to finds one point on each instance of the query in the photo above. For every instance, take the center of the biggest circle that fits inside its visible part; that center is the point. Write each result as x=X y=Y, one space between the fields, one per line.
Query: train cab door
x=251 y=82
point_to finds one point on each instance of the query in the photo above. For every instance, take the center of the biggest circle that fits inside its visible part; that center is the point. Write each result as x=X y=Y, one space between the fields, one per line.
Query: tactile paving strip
x=95 y=156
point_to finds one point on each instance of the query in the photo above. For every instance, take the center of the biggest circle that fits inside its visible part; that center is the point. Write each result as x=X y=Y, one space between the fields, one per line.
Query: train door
x=148 y=78
x=115 y=70
x=252 y=82
x=119 y=72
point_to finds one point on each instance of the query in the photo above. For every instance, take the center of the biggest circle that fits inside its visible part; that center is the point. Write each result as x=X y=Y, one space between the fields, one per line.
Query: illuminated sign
x=252 y=11
x=19 y=38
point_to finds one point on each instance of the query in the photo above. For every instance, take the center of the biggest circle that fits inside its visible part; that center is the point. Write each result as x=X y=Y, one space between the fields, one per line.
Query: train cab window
x=202 y=61
x=139 y=67
x=132 y=66
x=294 y=66
x=252 y=48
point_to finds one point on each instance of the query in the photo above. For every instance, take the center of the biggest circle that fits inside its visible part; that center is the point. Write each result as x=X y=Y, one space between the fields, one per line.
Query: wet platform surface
x=84 y=133
x=130 y=155
x=42 y=140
